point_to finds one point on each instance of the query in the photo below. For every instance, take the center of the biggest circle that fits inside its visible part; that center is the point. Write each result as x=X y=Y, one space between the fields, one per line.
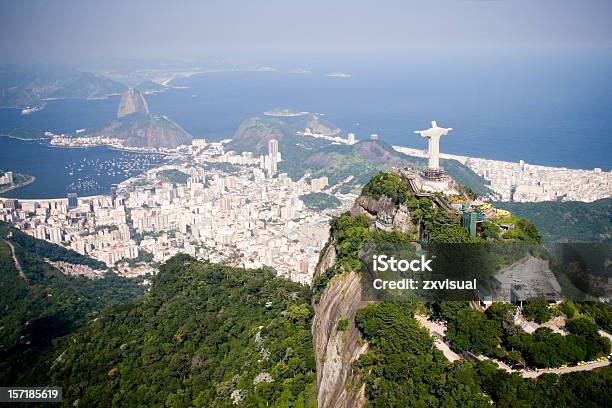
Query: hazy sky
x=59 y=30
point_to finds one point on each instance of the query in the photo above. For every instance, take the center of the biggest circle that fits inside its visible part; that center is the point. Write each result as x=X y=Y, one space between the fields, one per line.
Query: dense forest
x=492 y=333
x=205 y=335
x=320 y=201
x=404 y=369
x=561 y=221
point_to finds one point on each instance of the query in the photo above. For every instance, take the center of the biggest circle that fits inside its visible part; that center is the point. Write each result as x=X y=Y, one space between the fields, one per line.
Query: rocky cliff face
x=335 y=349
x=132 y=101
x=139 y=128
x=372 y=206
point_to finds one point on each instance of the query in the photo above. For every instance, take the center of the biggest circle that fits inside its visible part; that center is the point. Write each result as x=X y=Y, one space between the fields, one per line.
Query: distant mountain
x=132 y=101
x=139 y=128
x=253 y=134
x=142 y=130
x=361 y=161
x=321 y=157
x=88 y=85
x=29 y=86
x=148 y=86
x=568 y=220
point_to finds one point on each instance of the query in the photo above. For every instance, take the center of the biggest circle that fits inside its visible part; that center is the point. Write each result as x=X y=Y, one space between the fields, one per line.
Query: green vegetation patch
x=573 y=221
x=403 y=368
x=205 y=335
x=41 y=305
x=494 y=334
x=387 y=184
x=172 y=176
x=320 y=201
x=46 y=249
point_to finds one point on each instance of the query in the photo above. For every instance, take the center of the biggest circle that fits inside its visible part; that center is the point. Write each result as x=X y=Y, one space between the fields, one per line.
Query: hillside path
x=17 y=264
x=438 y=331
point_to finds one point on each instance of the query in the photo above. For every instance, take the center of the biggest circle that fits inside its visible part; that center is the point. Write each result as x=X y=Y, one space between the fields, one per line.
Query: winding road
x=439 y=330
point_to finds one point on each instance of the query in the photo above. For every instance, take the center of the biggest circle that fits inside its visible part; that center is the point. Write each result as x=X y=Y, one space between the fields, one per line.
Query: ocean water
x=558 y=115
x=58 y=171
x=552 y=110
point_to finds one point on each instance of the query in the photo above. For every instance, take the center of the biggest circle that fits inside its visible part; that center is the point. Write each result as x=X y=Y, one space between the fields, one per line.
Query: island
x=285 y=112
x=339 y=75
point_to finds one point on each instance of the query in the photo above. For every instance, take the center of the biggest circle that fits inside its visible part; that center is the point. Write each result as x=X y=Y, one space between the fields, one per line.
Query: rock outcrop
x=402 y=221
x=140 y=130
x=137 y=127
x=335 y=349
x=132 y=101
x=373 y=206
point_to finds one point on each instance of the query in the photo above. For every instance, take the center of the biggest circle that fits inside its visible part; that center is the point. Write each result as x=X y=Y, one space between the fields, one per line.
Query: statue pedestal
x=433 y=174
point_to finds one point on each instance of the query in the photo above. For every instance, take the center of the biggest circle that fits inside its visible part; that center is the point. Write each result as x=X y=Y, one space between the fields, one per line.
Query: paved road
x=438 y=331
x=17 y=264
x=588 y=367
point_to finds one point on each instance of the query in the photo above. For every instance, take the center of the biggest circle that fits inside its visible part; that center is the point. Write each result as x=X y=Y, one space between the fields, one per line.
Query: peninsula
x=10 y=180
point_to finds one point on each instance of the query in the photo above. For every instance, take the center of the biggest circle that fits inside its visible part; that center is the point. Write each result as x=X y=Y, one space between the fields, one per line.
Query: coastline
x=30 y=180
x=527 y=182
x=558 y=175
x=22 y=138
x=110 y=147
x=410 y=151
x=54 y=200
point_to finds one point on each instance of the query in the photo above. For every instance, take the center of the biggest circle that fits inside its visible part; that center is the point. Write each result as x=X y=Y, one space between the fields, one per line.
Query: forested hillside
x=40 y=304
x=402 y=367
x=573 y=221
x=205 y=335
x=44 y=249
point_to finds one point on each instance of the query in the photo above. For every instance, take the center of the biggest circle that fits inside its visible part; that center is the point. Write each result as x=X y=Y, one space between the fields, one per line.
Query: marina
x=57 y=171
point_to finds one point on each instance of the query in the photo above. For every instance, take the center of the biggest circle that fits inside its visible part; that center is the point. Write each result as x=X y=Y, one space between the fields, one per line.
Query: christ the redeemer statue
x=433 y=134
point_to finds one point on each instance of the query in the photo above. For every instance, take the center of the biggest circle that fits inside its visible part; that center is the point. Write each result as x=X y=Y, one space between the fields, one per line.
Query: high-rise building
x=40 y=232
x=273 y=156
x=225 y=204
x=7 y=178
x=73 y=201
x=10 y=203
x=351 y=138
x=318 y=184
x=113 y=192
x=273 y=148
x=273 y=165
x=55 y=235
x=374 y=136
